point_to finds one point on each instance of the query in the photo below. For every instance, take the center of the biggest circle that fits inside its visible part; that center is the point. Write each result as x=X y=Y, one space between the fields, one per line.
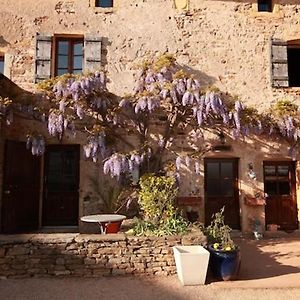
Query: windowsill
x=275 y=14
x=289 y=89
x=264 y=14
x=104 y=10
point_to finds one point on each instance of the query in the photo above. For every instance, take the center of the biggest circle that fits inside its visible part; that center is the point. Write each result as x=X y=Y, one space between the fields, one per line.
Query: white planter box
x=191 y=264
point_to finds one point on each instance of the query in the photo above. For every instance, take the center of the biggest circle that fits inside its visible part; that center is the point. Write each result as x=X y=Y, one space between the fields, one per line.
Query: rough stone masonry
x=89 y=255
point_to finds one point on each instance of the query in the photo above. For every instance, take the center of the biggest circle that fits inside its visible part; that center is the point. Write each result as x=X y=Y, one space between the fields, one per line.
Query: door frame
x=44 y=181
x=4 y=147
x=235 y=161
x=293 y=187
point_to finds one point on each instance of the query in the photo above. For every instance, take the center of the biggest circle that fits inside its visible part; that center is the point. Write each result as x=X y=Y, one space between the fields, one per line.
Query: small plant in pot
x=115 y=200
x=225 y=257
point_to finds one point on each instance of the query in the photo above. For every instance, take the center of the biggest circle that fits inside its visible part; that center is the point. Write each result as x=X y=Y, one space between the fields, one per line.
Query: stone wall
x=227 y=43
x=89 y=255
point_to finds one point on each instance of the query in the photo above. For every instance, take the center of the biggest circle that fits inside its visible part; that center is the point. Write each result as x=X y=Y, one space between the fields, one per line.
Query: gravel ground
x=129 y=288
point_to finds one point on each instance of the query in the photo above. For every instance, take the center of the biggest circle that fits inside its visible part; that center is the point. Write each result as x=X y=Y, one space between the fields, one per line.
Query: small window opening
x=293 y=53
x=265 y=5
x=104 y=3
x=2 y=63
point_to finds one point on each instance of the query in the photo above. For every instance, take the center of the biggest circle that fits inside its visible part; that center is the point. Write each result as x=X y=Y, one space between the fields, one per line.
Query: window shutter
x=280 y=76
x=43 y=57
x=8 y=59
x=92 y=53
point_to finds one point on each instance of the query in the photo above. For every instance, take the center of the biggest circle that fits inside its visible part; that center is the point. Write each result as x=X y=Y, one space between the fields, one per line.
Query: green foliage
x=171 y=226
x=142 y=227
x=112 y=196
x=157 y=196
x=165 y=60
x=284 y=108
x=218 y=233
x=48 y=84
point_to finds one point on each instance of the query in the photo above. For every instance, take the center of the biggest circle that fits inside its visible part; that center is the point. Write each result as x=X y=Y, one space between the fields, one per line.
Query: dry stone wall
x=89 y=255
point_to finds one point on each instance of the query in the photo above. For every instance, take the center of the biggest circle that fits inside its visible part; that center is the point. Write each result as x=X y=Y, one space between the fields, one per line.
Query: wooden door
x=61 y=184
x=280 y=189
x=21 y=189
x=221 y=189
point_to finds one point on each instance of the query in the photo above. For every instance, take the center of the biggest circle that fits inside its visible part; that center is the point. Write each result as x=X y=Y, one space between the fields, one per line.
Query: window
x=104 y=3
x=2 y=63
x=293 y=56
x=277 y=178
x=264 y=5
x=57 y=55
x=69 y=56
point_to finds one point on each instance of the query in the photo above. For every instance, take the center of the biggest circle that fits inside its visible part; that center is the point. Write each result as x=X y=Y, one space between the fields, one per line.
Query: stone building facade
x=228 y=44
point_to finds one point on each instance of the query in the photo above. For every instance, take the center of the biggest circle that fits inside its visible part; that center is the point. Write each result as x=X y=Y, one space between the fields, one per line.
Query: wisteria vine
x=162 y=89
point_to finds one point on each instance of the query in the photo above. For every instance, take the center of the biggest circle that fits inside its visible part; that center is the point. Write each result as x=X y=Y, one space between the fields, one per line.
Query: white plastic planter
x=191 y=264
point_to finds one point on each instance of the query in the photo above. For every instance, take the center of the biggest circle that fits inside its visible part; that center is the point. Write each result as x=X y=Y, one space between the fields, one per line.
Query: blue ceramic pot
x=224 y=265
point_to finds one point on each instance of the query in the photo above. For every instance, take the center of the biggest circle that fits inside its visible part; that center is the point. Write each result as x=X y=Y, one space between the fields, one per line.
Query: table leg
x=102 y=227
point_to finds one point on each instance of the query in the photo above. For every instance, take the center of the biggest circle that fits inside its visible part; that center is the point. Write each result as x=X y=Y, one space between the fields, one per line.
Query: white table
x=102 y=220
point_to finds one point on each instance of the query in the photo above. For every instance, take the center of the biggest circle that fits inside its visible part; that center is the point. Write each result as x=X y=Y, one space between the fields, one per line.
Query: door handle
x=7 y=192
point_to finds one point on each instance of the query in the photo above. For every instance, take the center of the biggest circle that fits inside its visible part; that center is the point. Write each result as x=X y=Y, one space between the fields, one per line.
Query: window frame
x=72 y=40
x=277 y=178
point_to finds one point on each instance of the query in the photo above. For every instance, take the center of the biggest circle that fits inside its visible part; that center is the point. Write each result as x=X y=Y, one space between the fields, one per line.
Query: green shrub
x=171 y=226
x=157 y=197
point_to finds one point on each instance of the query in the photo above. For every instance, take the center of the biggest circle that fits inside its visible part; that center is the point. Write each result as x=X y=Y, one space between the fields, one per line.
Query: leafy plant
x=142 y=227
x=157 y=196
x=171 y=226
x=218 y=233
x=112 y=197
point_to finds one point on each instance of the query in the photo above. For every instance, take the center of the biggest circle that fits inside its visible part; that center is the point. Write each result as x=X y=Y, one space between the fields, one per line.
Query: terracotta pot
x=112 y=227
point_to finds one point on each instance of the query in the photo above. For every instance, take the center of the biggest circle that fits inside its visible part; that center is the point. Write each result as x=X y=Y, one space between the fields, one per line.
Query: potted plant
x=225 y=257
x=115 y=200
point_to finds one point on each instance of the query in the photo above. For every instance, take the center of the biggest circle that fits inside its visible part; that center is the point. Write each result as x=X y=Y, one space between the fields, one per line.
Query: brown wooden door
x=221 y=189
x=61 y=184
x=280 y=189
x=21 y=188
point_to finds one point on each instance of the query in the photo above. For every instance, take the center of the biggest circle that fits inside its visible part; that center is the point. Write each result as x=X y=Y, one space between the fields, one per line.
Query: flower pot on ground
x=225 y=256
x=224 y=264
x=191 y=264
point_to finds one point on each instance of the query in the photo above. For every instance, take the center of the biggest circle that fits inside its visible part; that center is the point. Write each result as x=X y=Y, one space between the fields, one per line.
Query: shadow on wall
x=3 y=42
x=205 y=80
x=11 y=90
x=104 y=45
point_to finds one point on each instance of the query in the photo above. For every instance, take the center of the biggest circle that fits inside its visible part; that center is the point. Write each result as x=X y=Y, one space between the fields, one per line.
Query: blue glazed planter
x=224 y=265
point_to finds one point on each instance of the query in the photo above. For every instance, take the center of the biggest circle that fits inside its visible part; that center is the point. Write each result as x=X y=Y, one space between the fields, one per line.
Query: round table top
x=103 y=218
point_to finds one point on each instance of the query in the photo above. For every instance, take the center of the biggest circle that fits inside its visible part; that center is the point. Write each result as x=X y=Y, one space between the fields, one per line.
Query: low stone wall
x=89 y=255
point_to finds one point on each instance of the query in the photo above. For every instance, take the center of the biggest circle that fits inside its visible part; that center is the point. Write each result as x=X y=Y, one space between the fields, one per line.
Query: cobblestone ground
x=131 y=288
